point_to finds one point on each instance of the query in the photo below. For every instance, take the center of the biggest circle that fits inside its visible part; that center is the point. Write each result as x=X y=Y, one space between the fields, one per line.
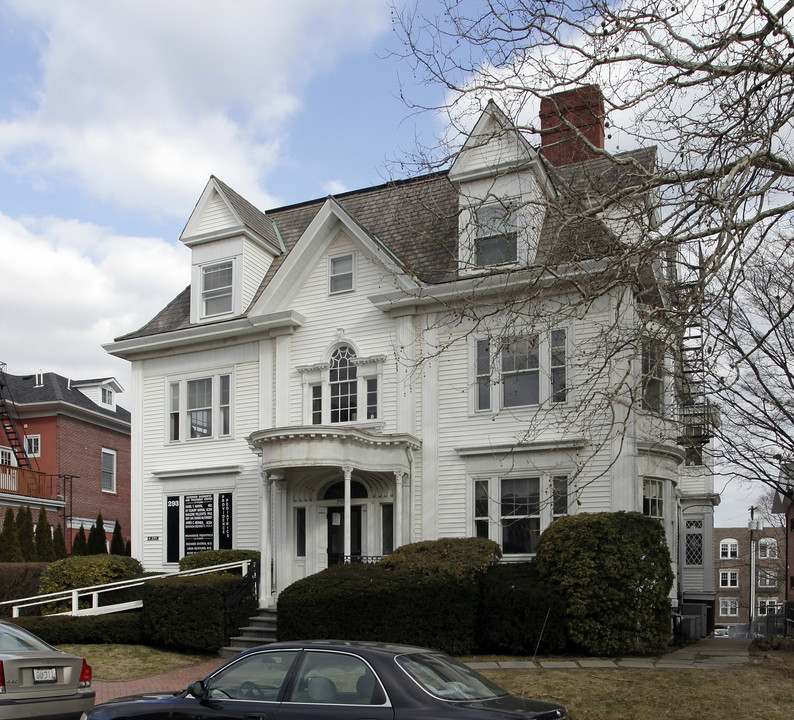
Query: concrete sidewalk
x=709 y=653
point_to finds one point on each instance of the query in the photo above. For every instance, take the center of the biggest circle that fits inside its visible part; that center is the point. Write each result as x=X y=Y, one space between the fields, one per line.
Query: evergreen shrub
x=19 y=580
x=122 y=628
x=199 y=613
x=207 y=558
x=518 y=614
x=613 y=572
x=373 y=602
x=464 y=558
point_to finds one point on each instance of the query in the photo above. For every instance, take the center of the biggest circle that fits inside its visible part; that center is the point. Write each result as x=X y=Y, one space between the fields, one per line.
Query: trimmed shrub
x=45 y=549
x=518 y=614
x=25 y=534
x=207 y=558
x=59 y=542
x=80 y=544
x=199 y=613
x=75 y=572
x=613 y=572
x=372 y=602
x=464 y=558
x=117 y=541
x=123 y=628
x=97 y=540
x=9 y=539
x=19 y=580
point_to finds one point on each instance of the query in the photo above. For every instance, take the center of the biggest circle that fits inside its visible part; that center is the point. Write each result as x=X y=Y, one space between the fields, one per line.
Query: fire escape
x=8 y=424
x=698 y=417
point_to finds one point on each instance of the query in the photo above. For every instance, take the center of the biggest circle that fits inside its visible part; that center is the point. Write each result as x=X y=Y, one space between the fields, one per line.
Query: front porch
x=330 y=495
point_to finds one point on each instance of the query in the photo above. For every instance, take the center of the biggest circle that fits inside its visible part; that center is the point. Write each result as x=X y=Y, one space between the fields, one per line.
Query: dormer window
x=107 y=396
x=495 y=241
x=216 y=288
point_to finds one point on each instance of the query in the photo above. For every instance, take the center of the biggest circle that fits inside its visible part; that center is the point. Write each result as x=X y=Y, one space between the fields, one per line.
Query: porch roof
x=333 y=446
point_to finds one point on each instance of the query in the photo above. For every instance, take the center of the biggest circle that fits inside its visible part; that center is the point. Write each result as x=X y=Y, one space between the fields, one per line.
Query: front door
x=336 y=533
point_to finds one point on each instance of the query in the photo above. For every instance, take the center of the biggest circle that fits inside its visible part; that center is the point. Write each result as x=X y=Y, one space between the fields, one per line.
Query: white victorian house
x=411 y=361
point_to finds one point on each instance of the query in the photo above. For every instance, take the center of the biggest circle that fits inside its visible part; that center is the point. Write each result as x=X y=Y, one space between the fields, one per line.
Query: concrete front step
x=261 y=630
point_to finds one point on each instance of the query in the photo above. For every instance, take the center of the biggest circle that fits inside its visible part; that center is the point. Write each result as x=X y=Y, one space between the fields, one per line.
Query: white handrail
x=94 y=591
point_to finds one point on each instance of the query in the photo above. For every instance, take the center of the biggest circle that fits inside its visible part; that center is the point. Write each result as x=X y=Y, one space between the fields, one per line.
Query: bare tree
x=704 y=230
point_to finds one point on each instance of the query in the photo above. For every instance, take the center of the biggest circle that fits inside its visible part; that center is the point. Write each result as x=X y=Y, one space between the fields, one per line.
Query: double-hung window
x=652 y=375
x=216 y=288
x=523 y=371
x=341 y=273
x=767 y=578
x=729 y=549
x=108 y=470
x=729 y=607
x=514 y=510
x=653 y=498
x=33 y=445
x=495 y=235
x=199 y=408
x=729 y=578
x=767 y=548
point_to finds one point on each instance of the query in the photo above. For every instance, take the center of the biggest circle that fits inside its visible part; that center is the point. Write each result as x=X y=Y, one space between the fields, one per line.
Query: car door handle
x=255 y=716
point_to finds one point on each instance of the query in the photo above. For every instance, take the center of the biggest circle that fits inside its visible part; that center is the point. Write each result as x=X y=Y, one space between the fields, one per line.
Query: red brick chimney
x=581 y=107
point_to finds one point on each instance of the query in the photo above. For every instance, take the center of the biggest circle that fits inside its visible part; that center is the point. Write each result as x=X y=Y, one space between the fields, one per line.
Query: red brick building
x=749 y=567
x=65 y=445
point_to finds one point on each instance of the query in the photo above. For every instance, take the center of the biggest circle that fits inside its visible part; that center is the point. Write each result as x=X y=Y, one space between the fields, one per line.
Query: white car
x=39 y=681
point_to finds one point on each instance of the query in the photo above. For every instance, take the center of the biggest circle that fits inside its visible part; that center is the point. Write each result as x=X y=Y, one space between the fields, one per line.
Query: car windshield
x=14 y=639
x=448 y=679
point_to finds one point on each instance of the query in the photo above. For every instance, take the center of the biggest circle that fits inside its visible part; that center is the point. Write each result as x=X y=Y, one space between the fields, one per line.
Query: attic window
x=107 y=396
x=340 y=274
x=216 y=288
x=495 y=235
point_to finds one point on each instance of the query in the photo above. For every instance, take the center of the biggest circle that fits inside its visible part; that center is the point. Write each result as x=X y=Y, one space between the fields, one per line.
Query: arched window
x=337 y=491
x=767 y=548
x=729 y=548
x=344 y=386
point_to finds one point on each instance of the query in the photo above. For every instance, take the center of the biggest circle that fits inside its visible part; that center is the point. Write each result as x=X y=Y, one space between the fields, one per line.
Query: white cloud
x=70 y=286
x=138 y=98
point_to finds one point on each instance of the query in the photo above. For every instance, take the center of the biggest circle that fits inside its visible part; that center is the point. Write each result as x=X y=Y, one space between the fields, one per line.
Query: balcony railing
x=32 y=483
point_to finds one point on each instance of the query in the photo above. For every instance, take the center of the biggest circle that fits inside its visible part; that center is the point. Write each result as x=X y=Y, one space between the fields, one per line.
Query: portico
x=329 y=495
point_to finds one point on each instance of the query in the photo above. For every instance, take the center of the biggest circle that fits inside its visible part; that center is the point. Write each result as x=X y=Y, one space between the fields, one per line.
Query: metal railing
x=93 y=593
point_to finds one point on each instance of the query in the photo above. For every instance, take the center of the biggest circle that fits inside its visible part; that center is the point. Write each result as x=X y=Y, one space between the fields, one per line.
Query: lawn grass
x=115 y=663
x=763 y=688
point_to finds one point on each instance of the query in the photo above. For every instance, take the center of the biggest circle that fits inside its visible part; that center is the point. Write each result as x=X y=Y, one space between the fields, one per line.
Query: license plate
x=44 y=675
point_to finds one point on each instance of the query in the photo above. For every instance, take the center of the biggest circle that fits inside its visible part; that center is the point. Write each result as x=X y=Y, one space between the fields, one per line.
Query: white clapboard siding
x=216 y=217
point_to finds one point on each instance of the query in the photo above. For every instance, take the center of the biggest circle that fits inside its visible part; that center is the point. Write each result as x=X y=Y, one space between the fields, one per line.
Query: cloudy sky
x=113 y=115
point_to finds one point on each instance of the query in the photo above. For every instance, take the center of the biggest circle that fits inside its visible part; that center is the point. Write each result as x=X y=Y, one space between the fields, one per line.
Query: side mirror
x=197 y=689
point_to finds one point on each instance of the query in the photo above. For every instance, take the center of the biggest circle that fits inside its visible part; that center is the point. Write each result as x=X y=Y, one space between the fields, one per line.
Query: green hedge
x=372 y=602
x=197 y=613
x=518 y=614
x=207 y=558
x=75 y=572
x=122 y=628
x=19 y=580
x=463 y=558
x=613 y=571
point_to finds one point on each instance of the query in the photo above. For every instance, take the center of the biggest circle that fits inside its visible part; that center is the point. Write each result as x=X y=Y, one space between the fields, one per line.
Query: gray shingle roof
x=23 y=390
x=417 y=221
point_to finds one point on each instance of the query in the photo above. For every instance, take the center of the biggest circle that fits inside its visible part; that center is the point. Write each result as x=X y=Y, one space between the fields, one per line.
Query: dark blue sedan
x=335 y=680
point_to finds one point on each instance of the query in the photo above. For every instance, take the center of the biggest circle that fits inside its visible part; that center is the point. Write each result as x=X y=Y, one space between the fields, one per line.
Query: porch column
x=399 y=476
x=266 y=589
x=348 y=473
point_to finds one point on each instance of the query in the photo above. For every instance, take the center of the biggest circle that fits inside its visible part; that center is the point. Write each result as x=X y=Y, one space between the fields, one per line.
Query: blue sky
x=113 y=115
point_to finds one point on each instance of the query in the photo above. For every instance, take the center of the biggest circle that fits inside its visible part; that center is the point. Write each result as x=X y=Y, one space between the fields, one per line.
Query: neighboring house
x=783 y=504
x=75 y=450
x=749 y=572
x=357 y=372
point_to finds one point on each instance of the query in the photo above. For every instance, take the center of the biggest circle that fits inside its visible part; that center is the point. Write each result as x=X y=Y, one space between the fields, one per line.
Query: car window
x=258 y=676
x=336 y=678
x=448 y=679
x=15 y=639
